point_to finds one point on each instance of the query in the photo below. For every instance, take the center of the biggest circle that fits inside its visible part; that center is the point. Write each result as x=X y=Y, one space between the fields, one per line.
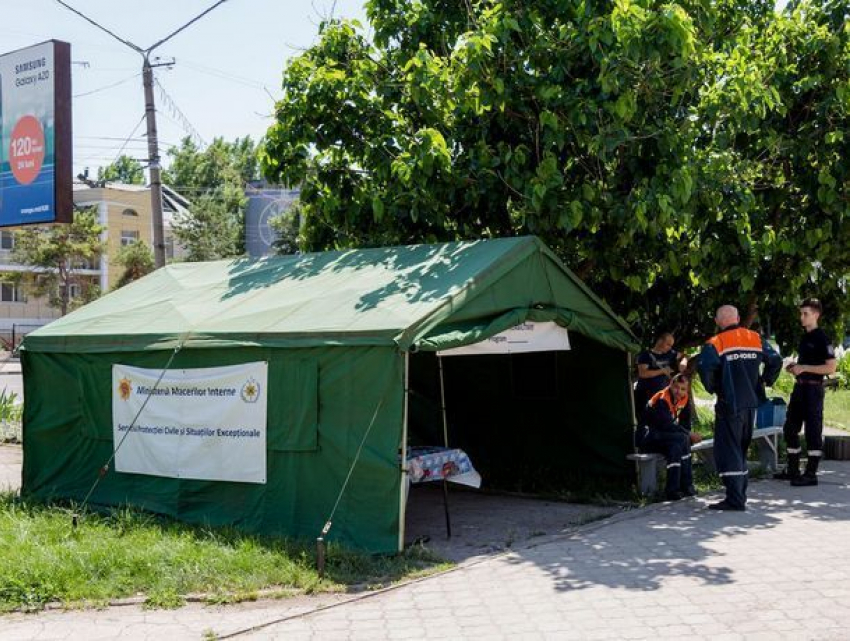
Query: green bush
x=843 y=370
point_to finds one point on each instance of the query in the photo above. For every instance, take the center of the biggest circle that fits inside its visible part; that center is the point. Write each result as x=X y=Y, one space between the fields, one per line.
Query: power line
x=181 y=120
x=224 y=75
x=150 y=115
x=105 y=87
x=132 y=133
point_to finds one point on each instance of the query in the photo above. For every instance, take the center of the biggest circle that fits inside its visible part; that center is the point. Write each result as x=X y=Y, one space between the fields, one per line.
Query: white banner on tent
x=207 y=423
x=525 y=337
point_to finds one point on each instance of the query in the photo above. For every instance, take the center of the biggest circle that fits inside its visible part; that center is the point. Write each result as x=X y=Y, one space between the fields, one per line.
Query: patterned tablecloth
x=426 y=464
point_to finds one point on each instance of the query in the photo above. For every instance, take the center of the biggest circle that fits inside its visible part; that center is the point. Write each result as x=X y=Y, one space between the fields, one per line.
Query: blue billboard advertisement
x=35 y=135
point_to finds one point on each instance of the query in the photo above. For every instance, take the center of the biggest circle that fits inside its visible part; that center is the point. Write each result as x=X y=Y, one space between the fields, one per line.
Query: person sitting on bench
x=668 y=432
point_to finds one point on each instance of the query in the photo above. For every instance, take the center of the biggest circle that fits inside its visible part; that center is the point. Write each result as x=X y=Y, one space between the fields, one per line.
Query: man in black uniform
x=656 y=366
x=816 y=358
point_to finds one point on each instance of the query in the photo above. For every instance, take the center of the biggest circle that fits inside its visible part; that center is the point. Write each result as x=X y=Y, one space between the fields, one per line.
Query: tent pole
x=402 y=507
x=446 y=444
x=443 y=402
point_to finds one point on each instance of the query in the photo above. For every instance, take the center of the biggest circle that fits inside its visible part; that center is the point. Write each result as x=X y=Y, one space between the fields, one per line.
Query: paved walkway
x=778 y=571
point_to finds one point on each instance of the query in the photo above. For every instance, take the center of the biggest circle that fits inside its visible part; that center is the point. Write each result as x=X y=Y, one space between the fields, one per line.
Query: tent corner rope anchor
x=320 y=541
x=77 y=515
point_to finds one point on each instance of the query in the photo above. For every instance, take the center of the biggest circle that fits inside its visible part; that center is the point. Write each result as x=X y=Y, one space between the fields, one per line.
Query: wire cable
x=329 y=522
x=105 y=87
x=105 y=467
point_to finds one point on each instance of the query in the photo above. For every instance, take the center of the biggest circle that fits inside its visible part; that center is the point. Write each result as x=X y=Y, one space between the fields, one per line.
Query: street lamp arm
x=185 y=26
x=101 y=27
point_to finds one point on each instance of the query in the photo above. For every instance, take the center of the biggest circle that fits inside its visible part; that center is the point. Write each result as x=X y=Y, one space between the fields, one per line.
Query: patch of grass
x=836 y=408
x=128 y=553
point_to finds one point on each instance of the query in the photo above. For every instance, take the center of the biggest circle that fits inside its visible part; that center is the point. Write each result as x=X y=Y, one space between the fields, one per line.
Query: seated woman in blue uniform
x=667 y=431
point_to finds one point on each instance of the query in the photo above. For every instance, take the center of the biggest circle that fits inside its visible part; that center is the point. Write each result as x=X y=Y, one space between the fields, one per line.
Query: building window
x=128 y=237
x=10 y=293
x=130 y=212
x=7 y=240
x=74 y=290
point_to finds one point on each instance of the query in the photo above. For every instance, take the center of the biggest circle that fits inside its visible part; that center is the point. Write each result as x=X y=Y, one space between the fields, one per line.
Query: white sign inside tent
x=206 y=423
x=529 y=336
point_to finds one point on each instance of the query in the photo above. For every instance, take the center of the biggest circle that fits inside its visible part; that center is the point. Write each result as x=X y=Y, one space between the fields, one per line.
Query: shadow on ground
x=678 y=539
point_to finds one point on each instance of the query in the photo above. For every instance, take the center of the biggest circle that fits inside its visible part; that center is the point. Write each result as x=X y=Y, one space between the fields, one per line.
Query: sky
x=226 y=77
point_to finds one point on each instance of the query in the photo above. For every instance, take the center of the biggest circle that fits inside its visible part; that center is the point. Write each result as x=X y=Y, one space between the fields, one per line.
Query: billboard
x=35 y=135
x=263 y=204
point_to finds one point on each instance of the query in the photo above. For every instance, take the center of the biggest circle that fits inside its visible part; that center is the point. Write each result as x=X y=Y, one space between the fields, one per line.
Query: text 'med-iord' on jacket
x=730 y=365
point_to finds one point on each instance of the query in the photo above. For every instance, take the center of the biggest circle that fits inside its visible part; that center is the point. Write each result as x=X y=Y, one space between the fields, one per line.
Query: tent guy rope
x=105 y=467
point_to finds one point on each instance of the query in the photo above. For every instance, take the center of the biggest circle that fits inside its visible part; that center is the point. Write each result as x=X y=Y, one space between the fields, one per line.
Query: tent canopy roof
x=382 y=296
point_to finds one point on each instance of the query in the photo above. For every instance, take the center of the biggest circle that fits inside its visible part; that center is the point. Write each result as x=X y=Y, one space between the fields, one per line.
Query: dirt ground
x=484 y=524
x=11 y=459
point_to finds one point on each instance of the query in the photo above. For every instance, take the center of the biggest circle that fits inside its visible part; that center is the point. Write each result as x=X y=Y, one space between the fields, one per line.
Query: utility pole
x=154 y=166
x=150 y=116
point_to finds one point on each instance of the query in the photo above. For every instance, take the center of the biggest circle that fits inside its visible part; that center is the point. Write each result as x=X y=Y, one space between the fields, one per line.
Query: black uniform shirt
x=656 y=361
x=815 y=349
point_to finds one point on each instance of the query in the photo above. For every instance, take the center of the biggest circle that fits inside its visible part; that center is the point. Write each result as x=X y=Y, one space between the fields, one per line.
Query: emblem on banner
x=250 y=391
x=125 y=387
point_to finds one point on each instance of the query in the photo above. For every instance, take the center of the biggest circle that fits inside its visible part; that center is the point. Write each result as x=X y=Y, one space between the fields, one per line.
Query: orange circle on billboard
x=26 y=149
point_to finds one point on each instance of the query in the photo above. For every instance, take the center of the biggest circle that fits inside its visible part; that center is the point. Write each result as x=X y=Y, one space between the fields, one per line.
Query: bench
x=766 y=440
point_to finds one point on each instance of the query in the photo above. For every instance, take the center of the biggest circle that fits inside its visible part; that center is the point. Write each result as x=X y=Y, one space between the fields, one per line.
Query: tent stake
x=320 y=556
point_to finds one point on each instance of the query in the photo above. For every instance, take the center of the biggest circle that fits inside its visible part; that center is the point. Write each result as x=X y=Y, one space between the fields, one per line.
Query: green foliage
x=677 y=156
x=125 y=552
x=11 y=413
x=124 y=170
x=836 y=409
x=59 y=252
x=214 y=179
x=287 y=228
x=783 y=385
x=137 y=260
x=843 y=370
x=209 y=230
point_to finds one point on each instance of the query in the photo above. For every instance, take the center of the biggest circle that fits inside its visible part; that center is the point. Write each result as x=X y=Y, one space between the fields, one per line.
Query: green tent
x=344 y=335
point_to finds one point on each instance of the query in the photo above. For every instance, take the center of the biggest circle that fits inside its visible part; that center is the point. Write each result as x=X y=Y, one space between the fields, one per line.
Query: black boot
x=810 y=476
x=792 y=469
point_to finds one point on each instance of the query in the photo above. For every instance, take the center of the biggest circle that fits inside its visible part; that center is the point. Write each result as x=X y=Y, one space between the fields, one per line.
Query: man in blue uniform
x=668 y=432
x=815 y=359
x=729 y=366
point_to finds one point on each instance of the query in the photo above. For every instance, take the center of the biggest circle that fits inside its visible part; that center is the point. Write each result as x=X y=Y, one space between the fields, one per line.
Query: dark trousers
x=806 y=406
x=675 y=447
x=733 y=432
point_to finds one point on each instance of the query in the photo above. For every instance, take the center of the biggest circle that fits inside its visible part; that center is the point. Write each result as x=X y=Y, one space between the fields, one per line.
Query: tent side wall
x=321 y=401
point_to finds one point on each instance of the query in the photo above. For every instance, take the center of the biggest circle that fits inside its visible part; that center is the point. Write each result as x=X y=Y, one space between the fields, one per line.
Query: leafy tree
x=214 y=179
x=124 y=170
x=209 y=230
x=287 y=228
x=633 y=137
x=137 y=260
x=57 y=254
